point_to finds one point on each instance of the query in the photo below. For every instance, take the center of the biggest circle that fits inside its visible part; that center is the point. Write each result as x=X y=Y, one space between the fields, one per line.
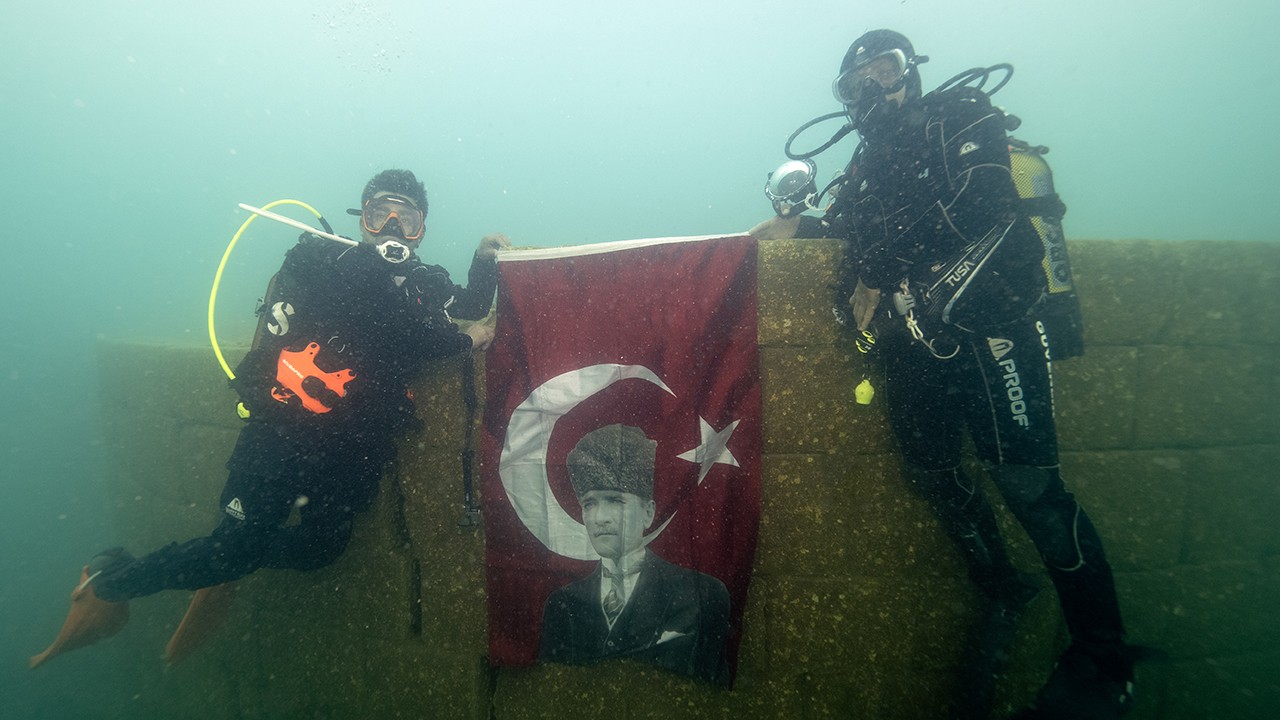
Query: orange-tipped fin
x=207 y=612
x=90 y=619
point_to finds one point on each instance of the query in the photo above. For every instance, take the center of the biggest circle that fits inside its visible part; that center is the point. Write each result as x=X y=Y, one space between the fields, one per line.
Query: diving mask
x=883 y=73
x=378 y=211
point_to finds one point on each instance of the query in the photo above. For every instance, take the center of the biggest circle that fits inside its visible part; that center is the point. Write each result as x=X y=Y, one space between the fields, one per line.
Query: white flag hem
x=601 y=248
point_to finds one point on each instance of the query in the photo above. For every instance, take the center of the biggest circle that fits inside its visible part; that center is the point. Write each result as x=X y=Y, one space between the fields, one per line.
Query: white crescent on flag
x=523 y=463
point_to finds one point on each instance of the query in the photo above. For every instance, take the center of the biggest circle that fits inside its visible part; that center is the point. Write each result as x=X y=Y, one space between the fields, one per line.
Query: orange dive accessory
x=378 y=211
x=297 y=374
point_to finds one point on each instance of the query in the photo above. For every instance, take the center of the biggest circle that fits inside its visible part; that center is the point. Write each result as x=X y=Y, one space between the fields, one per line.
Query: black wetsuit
x=930 y=181
x=372 y=325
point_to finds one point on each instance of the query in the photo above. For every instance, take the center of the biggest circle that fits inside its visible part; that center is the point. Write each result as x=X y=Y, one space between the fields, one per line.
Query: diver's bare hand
x=481 y=336
x=865 y=300
x=776 y=228
x=491 y=244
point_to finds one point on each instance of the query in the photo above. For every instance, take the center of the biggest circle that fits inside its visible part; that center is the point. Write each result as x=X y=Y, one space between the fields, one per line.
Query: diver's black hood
x=874 y=43
x=879 y=42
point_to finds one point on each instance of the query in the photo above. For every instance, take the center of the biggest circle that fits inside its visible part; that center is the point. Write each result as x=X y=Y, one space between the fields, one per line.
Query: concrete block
x=449 y=557
x=1094 y=398
x=1206 y=396
x=145 y=522
x=882 y=694
x=613 y=689
x=1240 y=687
x=808 y=403
x=660 y=695
x=454 y=614
x=431 y=482
x=1126 y=296
x=1136 y=500
x=1139 y=292
x=305 y=671
x=178 y=465
x=827 y=517
x=1150 y=691
x=863 y=626
x=1224 y=293
x=1202 y=611
x=179 y=383
x=885 y=648
x=167 y=438
x=766 y=695
x=795 y=292
x=1233 y=504
x=633 y=691
x=556 y=691
x=754 y=665
x=437 y=393
x=409 y=680
x=202 y=467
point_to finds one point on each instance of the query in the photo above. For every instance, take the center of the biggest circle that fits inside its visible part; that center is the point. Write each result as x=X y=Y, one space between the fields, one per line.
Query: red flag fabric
x=658 y=335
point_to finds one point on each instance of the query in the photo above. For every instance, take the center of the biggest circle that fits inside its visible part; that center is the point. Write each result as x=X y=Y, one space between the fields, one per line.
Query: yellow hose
x=217 y=278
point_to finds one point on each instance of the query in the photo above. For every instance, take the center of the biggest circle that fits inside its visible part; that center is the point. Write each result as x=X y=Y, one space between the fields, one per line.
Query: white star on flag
x=712 y=450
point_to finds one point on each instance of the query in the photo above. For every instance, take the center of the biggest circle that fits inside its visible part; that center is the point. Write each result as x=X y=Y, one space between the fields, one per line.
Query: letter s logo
x=280 y=312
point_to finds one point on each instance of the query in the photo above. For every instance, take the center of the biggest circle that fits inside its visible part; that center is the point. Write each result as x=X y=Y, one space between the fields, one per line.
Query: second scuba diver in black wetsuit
x=944 y=268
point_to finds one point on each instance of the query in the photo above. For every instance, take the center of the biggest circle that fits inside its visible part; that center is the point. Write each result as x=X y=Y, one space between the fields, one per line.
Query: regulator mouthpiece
x=394 y=252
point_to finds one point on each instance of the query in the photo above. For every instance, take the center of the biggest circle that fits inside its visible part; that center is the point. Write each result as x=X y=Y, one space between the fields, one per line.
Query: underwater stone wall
x=1170 y=429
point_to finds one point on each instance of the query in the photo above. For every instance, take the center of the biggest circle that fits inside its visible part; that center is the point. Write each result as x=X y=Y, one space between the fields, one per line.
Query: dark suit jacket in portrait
x=676 y=618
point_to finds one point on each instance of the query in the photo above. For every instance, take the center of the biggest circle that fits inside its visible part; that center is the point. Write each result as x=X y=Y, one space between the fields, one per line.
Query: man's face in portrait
x=616 y=520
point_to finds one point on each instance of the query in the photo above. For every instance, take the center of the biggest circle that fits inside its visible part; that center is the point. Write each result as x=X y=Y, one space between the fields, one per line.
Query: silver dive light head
x=791 y=188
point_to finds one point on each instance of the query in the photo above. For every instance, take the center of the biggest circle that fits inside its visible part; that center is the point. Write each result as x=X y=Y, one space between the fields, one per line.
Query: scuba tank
x=1041 y=205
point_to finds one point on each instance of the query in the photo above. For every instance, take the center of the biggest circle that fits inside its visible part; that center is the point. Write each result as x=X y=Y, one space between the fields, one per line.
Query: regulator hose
x=217 y=278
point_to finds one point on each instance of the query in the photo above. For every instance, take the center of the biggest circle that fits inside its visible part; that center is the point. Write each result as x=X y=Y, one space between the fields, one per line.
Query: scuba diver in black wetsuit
x=348 y=327
x=943 y=267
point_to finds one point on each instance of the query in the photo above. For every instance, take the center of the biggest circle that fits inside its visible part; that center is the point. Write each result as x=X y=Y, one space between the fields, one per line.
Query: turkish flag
x=658 y=335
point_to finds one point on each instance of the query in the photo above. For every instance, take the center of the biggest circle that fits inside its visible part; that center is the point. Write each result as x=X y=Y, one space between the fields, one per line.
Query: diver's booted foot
x=207 y=612
x=1086 y=684
x=90 y=619
x=987 y=651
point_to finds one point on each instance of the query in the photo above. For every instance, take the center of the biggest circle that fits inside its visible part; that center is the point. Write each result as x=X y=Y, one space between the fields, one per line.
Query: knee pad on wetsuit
x=1048 y=513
